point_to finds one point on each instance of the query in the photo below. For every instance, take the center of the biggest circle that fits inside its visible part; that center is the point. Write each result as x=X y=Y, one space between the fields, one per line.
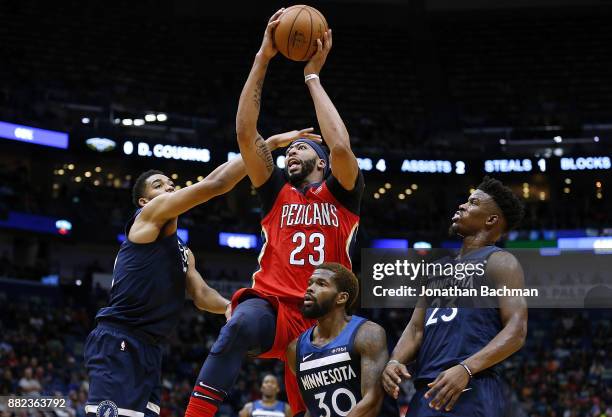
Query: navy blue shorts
x=484 y=399
x=124 y=373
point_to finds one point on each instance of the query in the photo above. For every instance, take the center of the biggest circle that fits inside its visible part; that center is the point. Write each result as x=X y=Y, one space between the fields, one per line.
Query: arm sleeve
x=269 y=190
x=349 y=199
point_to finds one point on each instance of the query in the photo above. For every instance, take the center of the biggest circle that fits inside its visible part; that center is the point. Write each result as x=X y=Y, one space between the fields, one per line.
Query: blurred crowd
x=564 y=370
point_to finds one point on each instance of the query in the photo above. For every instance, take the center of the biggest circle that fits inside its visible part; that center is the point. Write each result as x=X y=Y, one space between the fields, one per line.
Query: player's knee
x=238 y=333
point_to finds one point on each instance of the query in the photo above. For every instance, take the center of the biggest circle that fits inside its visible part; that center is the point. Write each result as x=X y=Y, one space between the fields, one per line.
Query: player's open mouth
x=292 y=162
x=456 y=216
x=308 y=300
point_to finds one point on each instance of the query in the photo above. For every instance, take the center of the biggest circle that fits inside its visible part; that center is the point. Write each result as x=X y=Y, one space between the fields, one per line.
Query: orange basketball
x=298 y=30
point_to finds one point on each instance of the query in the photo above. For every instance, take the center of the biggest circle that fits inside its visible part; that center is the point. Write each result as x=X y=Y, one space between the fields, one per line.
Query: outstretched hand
x=283 y=139
x=318 y=59
x=267 y=49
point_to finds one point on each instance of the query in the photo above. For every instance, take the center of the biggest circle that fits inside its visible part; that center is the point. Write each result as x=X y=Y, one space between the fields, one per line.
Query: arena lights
x=139 y=122
x=422 y=245
x=163 y=151
x=85 y=120
x=33 y=135
x=150 y=117
x=101 y=144
x=600 y=243
x=390 y=244
x=365 y=164
x=587 y=163
x=127 y=122
x=63 y=227
x=36 y=223
x=558 y=139
x=502 y=141
x=596 y=139
x=280 y=161
x=238 y=240
x=162 y=117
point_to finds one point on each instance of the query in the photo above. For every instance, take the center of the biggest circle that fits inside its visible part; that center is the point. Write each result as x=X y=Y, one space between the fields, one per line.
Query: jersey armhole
x=269 y=190
x=354 y=335
x=349 y=199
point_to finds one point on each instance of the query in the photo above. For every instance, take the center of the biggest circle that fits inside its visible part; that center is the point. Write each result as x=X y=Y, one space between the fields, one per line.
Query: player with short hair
x=269 y=405
x=153 y=269
x=310 y=216
x=339 y=361
x=455 y=347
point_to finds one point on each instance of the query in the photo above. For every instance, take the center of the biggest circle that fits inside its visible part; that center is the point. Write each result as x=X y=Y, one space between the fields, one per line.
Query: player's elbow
x=217 y=186
x=341 y=149
x=520 y=334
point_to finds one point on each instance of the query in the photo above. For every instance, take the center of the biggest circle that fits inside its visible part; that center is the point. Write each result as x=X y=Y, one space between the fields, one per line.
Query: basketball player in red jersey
x=310 y=216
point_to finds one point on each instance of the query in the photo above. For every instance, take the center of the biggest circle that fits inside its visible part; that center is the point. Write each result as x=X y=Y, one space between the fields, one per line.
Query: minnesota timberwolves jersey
x=261 y=410
x=452 y=334
x=148 y=289
x=330 y=376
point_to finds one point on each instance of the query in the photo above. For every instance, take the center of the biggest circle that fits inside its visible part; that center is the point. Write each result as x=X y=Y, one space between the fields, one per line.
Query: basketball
x=297 y=32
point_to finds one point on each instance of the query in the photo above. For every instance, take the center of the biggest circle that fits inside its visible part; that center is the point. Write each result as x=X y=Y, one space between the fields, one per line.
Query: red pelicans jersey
x=303 y=229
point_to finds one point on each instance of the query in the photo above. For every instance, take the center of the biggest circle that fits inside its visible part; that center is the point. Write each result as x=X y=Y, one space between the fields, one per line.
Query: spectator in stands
x=28 y=384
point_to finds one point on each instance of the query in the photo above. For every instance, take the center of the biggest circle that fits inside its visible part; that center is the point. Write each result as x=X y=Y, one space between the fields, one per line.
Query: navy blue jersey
x=452 y=334
x=261 y=410
x=330 y=376
x=148 y=289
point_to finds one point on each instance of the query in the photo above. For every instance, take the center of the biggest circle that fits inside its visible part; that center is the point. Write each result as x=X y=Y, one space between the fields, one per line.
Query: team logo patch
x=107 y=408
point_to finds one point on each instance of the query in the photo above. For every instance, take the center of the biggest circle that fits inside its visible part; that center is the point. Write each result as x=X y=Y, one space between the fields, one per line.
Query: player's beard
x=316 y=309
x=307 y=167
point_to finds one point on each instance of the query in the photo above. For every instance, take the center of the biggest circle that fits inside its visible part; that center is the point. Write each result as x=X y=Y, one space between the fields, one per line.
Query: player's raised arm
x=504 y=270
x=170 y=205
x=223 y=179
x=257 y=156
x=204 y=297
x=371 y=344
x=405 y=351
x=342 y=160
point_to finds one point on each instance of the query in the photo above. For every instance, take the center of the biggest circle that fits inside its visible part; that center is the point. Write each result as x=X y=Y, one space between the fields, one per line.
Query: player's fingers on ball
x=277 y=14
